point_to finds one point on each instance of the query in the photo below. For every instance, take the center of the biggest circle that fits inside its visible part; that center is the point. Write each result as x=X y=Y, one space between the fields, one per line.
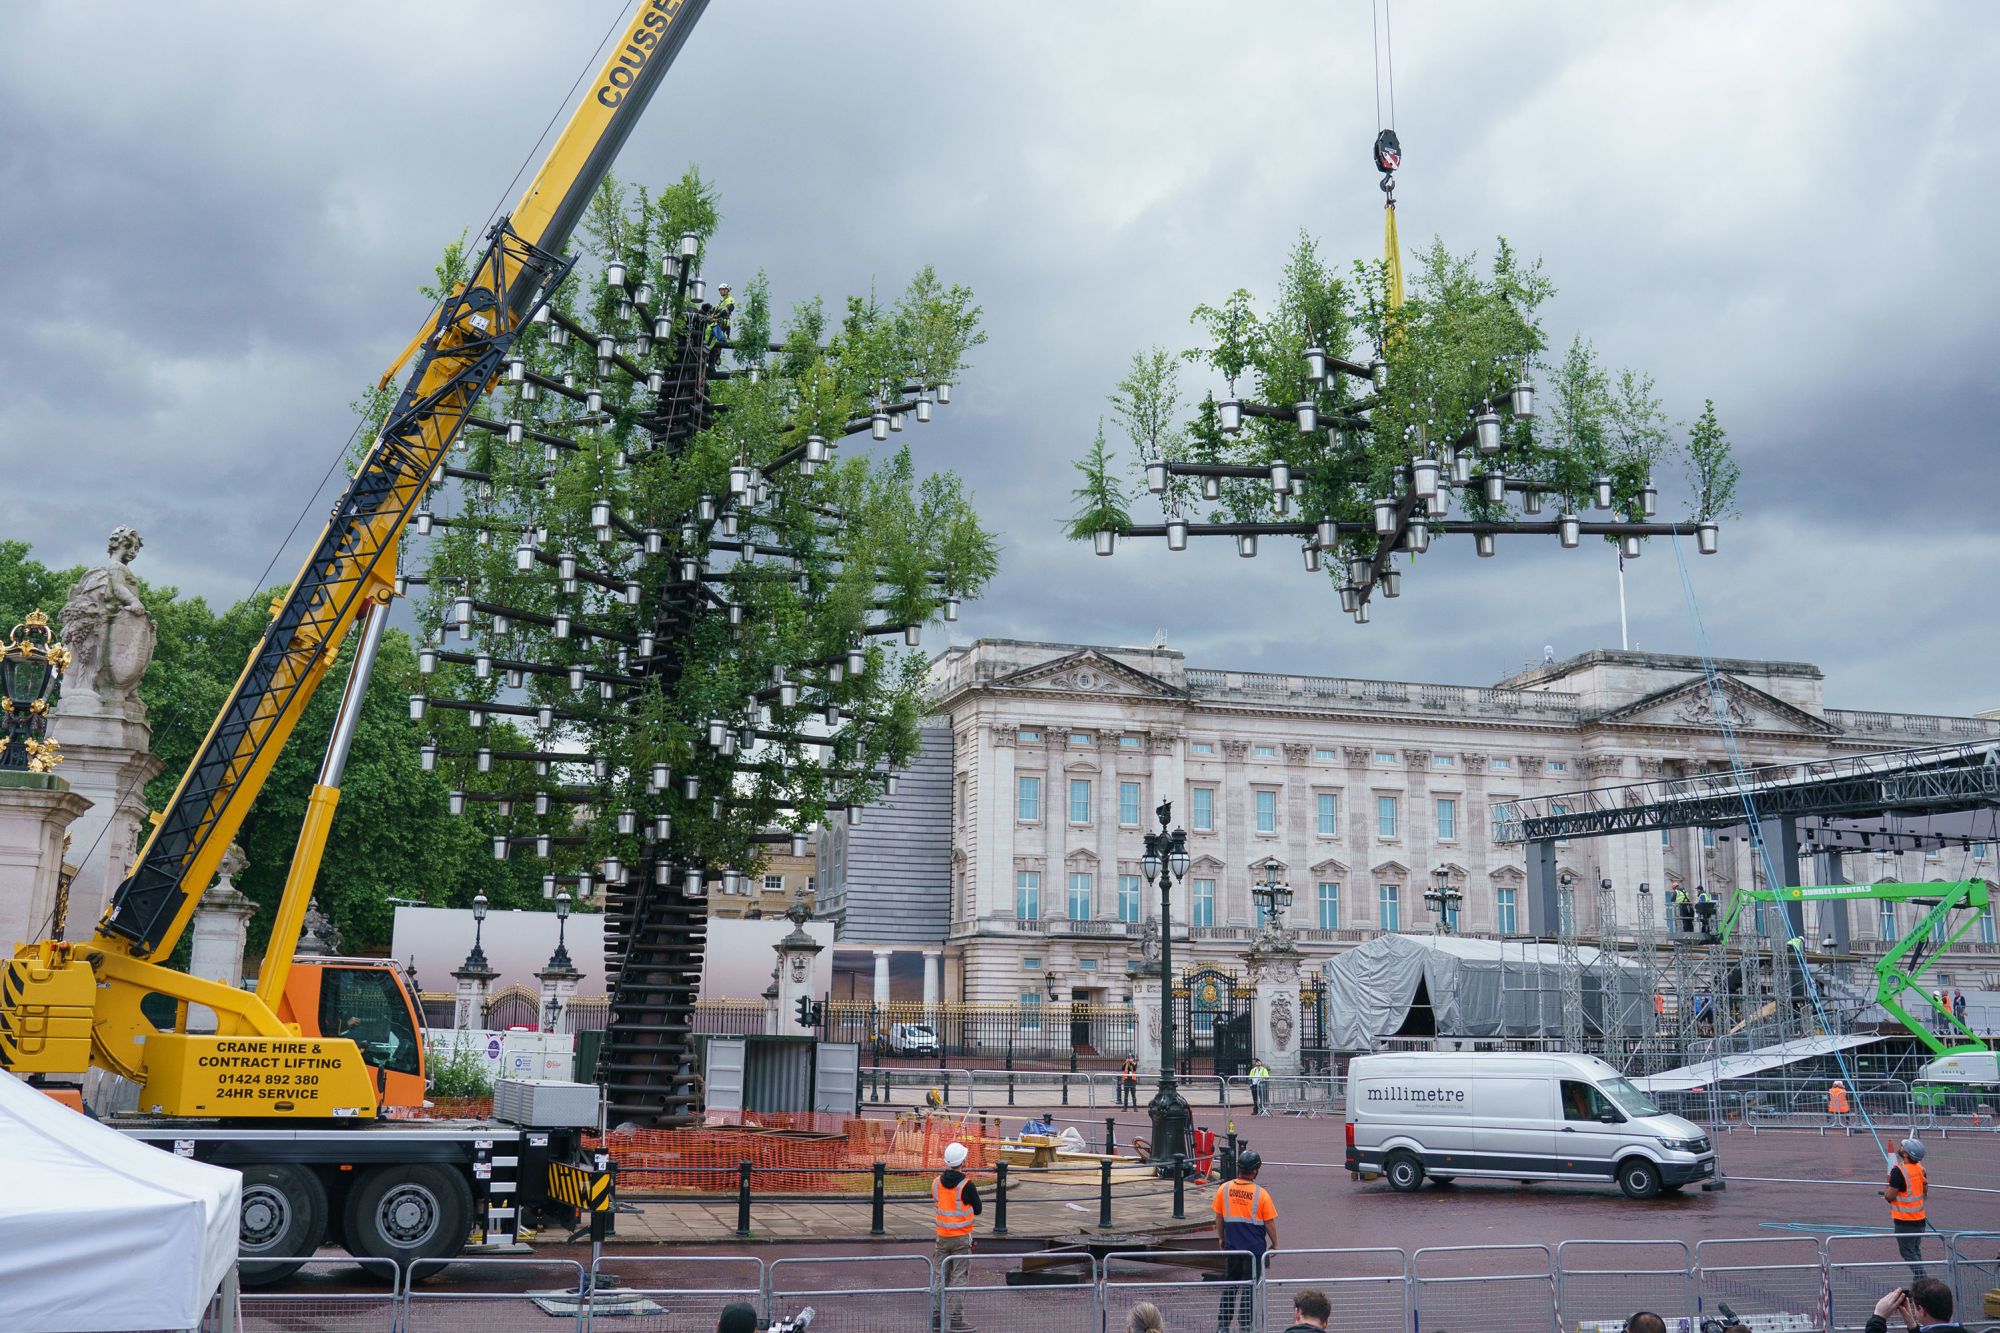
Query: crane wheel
x=284 y=1215
x=406 y=1213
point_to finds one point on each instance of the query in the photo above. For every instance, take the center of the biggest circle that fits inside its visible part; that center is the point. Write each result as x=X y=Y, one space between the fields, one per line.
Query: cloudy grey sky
x=215 y=217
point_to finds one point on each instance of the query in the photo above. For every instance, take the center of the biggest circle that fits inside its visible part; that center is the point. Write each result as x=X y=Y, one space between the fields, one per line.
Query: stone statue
x=1149 y=943
x=321 y=938
x=109 y=633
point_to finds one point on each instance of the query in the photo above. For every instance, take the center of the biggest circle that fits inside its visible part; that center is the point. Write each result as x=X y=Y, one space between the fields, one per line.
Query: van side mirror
x=1611 y=1117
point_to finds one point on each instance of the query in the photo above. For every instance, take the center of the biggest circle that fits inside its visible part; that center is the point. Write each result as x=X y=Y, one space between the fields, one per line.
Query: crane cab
x=368 y=1001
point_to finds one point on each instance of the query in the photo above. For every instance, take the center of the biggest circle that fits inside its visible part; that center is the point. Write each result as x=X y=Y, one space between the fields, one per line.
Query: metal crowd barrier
x=1368 y=1288
x=1209 y=1299
x=1779 y=1280
x=1779 y=1284
x=1602 y=1281
x=1492 y=1288
x=543 y=1296
x=666 y=1293
x=1046 y=1290
x=889 y=1293
x=336 y=1311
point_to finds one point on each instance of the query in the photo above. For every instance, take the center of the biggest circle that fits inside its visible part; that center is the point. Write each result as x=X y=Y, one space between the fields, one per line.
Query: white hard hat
x=954 y=1154
x=722 y=286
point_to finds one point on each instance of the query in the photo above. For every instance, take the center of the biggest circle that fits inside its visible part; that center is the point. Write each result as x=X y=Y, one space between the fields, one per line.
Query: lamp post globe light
x=1444 y=898
x=1274 y=897
x=1166 y=861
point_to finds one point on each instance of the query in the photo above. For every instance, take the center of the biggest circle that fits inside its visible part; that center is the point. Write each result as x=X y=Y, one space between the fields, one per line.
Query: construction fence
x=1771 y=1284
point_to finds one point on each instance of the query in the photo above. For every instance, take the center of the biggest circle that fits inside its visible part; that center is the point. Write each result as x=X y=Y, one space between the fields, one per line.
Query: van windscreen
x=1629 y=1099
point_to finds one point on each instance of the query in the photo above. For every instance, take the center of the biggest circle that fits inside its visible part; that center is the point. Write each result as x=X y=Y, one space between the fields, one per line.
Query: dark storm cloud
x=214 y=241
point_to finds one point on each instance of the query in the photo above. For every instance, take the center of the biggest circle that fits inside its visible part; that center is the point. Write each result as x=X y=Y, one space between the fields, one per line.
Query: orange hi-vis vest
x=1908 y=1205
x=954 y=1214
x=1836 y=1100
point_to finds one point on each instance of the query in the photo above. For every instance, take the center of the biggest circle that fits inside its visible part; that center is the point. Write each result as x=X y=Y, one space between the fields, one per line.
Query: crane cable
x=1388 y=150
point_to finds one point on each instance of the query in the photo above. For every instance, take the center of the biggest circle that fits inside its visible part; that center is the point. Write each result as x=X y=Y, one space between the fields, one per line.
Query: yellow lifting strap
x=1392 y=255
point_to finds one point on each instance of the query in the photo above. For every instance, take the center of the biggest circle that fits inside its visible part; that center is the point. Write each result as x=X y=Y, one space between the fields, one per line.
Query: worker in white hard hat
x=1905 y=1190
x=957 y=1202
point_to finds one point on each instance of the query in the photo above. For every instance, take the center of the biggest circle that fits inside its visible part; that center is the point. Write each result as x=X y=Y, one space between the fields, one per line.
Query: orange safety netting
x=796 y=1153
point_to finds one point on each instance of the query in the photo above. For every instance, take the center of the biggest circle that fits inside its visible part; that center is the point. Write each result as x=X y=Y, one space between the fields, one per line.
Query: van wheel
x=1639 y=1178
x=406 y=1213
x=1404 y=1171
x=283 y=1214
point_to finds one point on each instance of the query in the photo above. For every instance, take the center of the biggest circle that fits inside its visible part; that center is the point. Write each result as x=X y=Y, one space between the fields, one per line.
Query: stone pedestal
x=1275 y=1019
x=107 y=759
x=221 y=926
x=882 y=977
x=35 y=811
x=469 y=1011
x=1146 y=1025
x=558 y=989
x=796 y=952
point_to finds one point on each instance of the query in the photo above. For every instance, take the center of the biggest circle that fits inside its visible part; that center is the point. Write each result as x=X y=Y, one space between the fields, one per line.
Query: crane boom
x=352 y=566
x=1920 y=945
x=63 y=1005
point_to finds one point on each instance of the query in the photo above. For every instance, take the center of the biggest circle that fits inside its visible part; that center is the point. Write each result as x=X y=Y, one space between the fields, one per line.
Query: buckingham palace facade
x=1354 y=792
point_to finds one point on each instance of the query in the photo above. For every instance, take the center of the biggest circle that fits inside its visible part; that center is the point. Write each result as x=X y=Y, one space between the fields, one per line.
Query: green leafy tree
x=1712 y=469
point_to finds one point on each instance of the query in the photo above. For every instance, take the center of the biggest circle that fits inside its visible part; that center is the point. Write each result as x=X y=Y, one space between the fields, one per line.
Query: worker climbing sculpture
x=107 y=629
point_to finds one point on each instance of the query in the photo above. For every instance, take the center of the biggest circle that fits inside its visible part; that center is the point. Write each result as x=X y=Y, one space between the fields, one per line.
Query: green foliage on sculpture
x=690 y=595
x=1334 y=398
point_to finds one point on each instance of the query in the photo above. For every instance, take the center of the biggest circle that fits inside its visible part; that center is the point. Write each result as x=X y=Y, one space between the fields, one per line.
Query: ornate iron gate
x=1212 y=1022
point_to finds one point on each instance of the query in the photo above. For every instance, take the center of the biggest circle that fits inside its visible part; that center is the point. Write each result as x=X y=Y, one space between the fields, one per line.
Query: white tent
x=100 y=1233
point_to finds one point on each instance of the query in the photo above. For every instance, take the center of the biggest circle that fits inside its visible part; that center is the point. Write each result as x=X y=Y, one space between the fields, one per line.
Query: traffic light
x=806 y=1014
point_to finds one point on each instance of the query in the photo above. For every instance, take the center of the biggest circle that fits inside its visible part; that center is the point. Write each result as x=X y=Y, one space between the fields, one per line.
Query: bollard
x=1010 y=1088
x=1065 y=1090
x=875 y=1227
x=743 y=1198
x=1104 y=1195
x=1000 y=1199
x=1180 y=1186
x=1110 y=1135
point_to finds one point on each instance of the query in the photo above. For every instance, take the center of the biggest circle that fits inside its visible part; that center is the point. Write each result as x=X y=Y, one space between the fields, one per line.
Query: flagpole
x=1624 y=638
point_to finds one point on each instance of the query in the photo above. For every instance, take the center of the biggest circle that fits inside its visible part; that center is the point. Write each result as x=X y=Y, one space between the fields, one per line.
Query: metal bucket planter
x=1392 y=582
x=1106 y=541
x=1177 y=534
x=1308 y=418
x=1567 y=529
x=1246 y=544
x=1378 y=371
x=1312 y=557
x=1327 y=534
x=1484 y=543
x=1704 y=537
x=1156 y=478
x=951 y=605
x=1385 y=518
x=1523 y=397
x=1600 y=492
x=690 y=244
x=1424 y=478
x=1281 y=478
x=1316 y=363
x=1531 y=502
x=878 y=425
x=1496 y=488
x=944 y=391
x=1486 y=427
x=923 y=410
x=1231 y=413
x=614 y=273
x=1649 y=499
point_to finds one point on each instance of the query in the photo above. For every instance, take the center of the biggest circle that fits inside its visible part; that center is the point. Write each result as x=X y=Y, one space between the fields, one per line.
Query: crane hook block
x=1388 y=152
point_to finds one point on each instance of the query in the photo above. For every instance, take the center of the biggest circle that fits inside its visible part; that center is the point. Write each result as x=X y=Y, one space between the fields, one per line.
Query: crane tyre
x=406 y=1213
x=284 y=1215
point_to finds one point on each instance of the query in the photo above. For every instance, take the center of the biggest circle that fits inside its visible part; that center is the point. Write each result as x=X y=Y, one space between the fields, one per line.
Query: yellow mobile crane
x=277 y=1090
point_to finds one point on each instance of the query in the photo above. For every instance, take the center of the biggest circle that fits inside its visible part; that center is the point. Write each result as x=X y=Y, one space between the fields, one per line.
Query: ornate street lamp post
x=1444 y=898
x=1164 y=862
x=31 y=675
x=1274 y=897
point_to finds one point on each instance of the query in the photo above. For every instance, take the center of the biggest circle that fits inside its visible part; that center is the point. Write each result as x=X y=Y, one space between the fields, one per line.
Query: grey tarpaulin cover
x=1475 y=988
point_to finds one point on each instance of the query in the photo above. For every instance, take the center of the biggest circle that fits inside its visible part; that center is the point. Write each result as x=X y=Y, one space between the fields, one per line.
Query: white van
x=1509 y=1116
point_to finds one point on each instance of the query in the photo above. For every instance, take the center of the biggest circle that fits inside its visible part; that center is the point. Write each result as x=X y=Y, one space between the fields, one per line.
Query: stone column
x=35 y=809
x=1274 y=1010
x=796 y=953
x=931 y=957
x=221 y=926
x=882 y=971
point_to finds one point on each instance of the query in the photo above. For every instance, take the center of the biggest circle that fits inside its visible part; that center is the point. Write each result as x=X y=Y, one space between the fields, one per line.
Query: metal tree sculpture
x=660 y=605
x=1435 y=434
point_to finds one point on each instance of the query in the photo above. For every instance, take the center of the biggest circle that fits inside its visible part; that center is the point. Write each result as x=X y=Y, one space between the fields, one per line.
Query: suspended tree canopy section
x=1367 y=429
